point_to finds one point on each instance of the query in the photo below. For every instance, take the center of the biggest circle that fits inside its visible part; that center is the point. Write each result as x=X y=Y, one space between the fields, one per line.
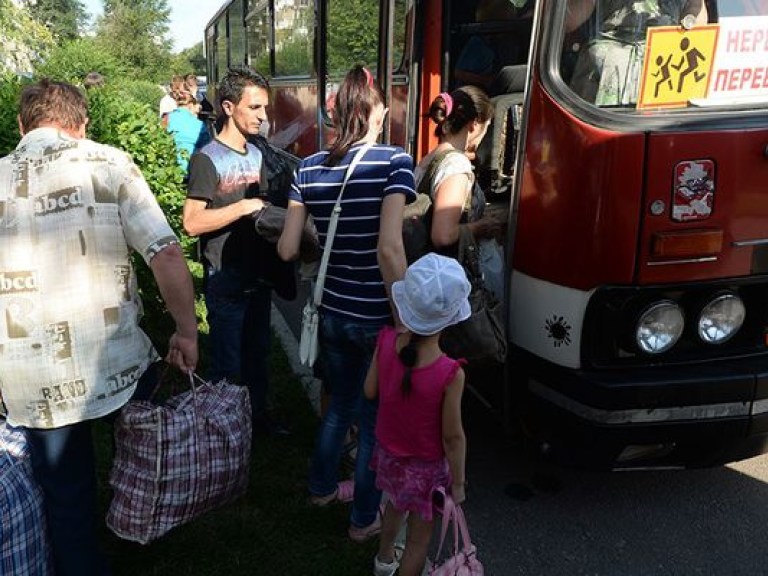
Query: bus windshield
x=666 y=54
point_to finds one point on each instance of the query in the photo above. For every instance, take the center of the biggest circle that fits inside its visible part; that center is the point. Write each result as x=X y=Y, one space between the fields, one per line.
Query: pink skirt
x=409 y=482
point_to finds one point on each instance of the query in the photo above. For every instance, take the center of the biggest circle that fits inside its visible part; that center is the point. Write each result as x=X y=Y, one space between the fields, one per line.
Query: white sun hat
x=433 y=295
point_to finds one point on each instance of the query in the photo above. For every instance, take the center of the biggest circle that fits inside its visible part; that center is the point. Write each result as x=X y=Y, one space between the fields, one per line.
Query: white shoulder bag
x=310 y=317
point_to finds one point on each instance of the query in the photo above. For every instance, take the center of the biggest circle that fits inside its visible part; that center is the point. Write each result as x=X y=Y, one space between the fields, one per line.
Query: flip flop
x=345 y=491
x=324 y=501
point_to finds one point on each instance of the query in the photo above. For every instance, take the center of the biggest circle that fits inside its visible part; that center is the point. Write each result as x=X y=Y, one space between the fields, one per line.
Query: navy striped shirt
x=353 y=284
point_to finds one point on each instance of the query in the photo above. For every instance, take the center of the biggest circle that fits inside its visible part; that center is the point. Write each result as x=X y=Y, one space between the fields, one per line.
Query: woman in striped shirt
x=367 y=255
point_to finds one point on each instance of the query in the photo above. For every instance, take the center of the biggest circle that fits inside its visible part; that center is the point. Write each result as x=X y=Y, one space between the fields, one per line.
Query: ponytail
x=409 y=355
x=353 y=104
x=452 y=112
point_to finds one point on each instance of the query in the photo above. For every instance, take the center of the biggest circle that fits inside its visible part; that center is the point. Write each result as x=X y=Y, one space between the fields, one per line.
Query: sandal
x=345 y=492
x=361 y=534
x=324 y=501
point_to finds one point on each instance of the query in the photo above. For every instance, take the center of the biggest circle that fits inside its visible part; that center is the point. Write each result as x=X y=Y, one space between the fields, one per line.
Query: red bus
x=632 y=150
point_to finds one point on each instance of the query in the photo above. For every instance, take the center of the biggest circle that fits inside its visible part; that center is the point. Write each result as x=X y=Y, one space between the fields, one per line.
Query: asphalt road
x=527 y=520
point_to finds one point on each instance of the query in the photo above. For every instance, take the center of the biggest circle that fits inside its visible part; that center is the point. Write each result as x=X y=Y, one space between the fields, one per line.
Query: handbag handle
x=164 y=377
x=447 y=512
x=320 y=282
x=453 y=515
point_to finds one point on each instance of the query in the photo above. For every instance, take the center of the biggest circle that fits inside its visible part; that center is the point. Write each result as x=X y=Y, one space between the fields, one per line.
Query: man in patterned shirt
x=71 y=350
x=241 y=268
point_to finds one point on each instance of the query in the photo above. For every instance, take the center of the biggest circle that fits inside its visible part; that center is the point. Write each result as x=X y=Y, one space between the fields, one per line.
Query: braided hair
x=409 y=355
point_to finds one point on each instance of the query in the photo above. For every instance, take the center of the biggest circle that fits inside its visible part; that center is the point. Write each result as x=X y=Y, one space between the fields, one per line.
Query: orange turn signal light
x=687 y=243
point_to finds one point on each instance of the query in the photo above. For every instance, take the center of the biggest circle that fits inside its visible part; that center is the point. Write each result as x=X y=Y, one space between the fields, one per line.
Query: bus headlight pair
x=661 y=324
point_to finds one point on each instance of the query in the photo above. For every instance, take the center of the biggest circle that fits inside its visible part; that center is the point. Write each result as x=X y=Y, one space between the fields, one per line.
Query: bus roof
x=218 y=14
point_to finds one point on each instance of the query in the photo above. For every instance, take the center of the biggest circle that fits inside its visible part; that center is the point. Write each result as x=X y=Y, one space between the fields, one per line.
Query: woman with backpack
x=462 y=119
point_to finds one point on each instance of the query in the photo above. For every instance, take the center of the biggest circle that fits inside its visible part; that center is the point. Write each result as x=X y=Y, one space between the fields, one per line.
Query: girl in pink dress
x=420 y=439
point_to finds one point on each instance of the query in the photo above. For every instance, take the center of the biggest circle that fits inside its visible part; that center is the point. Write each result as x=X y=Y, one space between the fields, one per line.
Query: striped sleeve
x=400 y=179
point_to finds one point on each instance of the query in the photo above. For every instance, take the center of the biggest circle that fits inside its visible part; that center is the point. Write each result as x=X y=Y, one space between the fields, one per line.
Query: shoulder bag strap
x=320 y=282
x=425 y=184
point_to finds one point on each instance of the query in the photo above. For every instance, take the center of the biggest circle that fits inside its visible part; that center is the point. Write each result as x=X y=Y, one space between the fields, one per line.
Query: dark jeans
x=239 y=335
x=64 y=466
x=347 y=348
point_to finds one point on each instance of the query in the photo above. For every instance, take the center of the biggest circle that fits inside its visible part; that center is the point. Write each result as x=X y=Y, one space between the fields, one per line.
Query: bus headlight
x=721 y=319
x=659 y=327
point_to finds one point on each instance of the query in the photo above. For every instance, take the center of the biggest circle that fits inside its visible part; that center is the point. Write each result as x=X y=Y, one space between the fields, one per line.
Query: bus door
x=485 y=43
x=488 y=45
x=638 y=287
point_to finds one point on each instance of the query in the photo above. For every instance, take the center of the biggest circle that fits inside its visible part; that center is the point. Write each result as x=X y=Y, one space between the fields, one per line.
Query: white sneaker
x=387 y=568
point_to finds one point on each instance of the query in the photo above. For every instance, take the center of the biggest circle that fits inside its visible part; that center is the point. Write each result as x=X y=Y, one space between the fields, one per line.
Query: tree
x=352 y=34
x=64 y=18
x=23 y=41
x=136 y=31
x=190 y=60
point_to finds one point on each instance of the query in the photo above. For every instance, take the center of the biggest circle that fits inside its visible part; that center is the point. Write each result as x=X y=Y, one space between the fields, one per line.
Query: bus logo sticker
x=694 y=190
x=558 y=330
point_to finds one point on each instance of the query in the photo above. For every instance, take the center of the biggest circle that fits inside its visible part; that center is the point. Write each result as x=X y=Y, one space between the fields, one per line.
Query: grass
x=271 y=530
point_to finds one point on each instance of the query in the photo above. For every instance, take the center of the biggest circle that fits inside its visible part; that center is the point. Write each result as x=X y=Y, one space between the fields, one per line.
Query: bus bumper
x=692 y=416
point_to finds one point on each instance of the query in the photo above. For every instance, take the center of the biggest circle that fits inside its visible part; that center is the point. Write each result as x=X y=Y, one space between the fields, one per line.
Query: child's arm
x=454 y=441
x=371 y=386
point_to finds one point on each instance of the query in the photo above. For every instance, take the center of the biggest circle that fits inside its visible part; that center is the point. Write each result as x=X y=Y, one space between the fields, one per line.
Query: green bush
x=141 y=91
x=10 y=87
x=72 y=60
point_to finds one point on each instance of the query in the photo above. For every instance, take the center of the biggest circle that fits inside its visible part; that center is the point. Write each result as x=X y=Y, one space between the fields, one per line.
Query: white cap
x=433 y=295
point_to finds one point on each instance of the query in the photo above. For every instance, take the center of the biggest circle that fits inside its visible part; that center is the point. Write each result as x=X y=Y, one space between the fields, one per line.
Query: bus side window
x=294 y=39
x=347 y=47
x=259 y=32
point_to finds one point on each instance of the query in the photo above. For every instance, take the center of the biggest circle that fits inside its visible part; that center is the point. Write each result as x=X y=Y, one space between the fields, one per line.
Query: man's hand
x=175 y=283
x=251 y=205
x=182 y=352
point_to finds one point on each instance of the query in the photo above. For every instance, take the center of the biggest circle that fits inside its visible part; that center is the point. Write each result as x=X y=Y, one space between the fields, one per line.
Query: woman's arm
x=448 y=202
x=454 y=440
x=390 y=250
x=290 y=240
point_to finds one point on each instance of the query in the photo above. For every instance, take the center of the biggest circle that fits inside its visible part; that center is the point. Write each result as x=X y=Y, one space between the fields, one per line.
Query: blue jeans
x=64 y=465
x=240 y=334
x=347 y=348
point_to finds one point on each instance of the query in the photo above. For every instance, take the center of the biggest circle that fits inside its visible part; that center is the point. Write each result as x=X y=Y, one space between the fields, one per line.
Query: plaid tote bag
x=23 y=537
x=177 y=460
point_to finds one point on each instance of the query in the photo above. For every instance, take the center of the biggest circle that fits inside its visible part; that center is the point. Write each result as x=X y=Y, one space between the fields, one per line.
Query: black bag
x=277 y=171
x=480 y=337
x=417 y=217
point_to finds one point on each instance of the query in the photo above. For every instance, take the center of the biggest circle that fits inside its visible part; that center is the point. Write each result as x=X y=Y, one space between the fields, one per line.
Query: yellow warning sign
x=677 y=66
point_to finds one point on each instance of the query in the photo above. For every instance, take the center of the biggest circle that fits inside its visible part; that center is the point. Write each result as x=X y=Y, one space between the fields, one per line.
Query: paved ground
x=567 y=522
